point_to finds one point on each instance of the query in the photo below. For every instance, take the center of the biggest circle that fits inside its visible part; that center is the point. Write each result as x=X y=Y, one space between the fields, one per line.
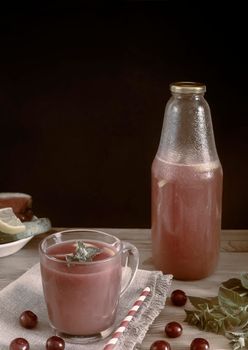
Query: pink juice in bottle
x=186 y=187
x=186 y=217
x=81 y=298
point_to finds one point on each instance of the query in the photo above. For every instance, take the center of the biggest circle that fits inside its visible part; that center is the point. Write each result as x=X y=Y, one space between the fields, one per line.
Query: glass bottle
x=186 y=188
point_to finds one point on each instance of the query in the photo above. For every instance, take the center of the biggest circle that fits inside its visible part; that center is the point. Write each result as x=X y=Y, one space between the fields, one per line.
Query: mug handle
x=130 y=261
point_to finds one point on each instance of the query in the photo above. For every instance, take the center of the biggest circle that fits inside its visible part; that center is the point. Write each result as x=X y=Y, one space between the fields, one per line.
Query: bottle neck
x=187 y=135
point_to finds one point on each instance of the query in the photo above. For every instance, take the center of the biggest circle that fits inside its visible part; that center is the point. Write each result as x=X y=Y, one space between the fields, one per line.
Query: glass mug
x=82 y=296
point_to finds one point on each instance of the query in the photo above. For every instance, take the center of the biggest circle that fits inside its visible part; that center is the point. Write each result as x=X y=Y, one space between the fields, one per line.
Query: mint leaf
x=236 y=285
x=239 y=340
x=198 y=302
x=231 y=322
x=226 y=313
x=193 y=317
x=243 y=317
x=244 y=280
x=232 y=283
x=231 y=299
x=83 y=253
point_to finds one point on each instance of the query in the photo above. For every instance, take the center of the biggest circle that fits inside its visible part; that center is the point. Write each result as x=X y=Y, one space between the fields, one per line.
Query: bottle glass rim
x=187 y=87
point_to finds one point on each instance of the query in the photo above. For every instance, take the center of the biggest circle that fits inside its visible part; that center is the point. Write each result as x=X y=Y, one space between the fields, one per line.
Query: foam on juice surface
x=198 y=166
x=68 y=248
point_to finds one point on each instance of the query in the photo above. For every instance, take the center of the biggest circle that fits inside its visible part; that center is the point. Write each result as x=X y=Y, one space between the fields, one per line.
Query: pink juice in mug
x=186 y=217
x=81 y=297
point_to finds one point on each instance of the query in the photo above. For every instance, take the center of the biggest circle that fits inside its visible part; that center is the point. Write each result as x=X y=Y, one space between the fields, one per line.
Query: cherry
x=178 y=297
x=55 y=343
x=173 y=329
x=19 y=344
x=199 y=344
x=160 y=345
x=28 y=319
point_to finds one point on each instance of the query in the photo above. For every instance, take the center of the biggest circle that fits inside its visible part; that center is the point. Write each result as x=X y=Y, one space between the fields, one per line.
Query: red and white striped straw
x=124 y=324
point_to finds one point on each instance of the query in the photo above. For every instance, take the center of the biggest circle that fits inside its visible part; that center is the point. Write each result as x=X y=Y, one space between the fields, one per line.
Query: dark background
x=82 y=97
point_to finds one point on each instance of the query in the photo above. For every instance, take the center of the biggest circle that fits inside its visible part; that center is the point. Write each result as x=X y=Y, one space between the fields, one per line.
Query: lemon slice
x=9 y=223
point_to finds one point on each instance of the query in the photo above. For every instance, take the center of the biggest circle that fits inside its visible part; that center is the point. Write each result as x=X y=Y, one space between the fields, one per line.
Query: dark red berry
x=160 y=345
x=178 y=297
x=19 y=344
x=28 y=319
x=173 y=329
x=199 y=344
x=55 y=343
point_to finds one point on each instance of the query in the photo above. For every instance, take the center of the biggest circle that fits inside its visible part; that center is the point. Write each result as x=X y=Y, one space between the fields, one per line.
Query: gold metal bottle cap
x=187 y=87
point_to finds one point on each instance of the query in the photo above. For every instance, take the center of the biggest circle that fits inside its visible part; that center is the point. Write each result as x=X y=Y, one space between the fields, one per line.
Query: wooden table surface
x=233 y=260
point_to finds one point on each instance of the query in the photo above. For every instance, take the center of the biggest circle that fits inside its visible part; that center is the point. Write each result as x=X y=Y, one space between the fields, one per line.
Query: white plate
x=34 y=227
x=13 y=247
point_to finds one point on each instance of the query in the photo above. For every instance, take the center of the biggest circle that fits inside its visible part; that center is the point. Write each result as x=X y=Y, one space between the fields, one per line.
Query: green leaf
x=225 y=314
x=239 y=340
x=236 y=345
x=244 y=279
x=193 y=317
x=82 y=253
x=231 y=322
x=246 y=341
x=198 y=302
x=231 y=311
x=232 y=283
x=231 y=299
x=211 y=325
x=204 y=307
x=243 y=318
x=235 y=285
x=214 y=321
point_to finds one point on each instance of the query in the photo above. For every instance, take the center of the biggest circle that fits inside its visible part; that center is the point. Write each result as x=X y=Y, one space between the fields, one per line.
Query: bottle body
x=186 y=192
